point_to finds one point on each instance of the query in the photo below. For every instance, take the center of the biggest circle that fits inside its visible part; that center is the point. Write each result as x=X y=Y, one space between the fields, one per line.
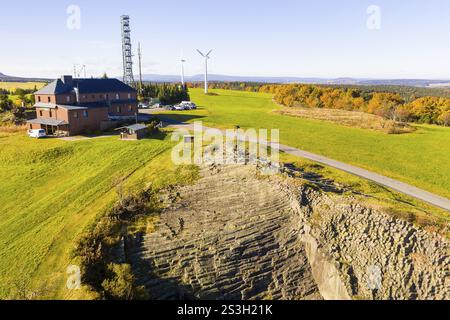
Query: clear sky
x=314 y=38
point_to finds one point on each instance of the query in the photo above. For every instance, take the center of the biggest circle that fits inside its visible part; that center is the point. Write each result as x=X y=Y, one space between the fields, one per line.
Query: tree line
x=428 y=109
x=167 y=94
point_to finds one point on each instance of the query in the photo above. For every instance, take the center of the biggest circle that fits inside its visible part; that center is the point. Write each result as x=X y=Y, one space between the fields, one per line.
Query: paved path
x=404 y=188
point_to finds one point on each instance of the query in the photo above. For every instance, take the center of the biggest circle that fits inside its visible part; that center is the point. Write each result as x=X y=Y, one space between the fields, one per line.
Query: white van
x=37 y=133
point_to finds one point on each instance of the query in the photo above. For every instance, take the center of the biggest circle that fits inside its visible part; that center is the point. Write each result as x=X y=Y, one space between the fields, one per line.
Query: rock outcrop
x=235 y=235
x=378 y=256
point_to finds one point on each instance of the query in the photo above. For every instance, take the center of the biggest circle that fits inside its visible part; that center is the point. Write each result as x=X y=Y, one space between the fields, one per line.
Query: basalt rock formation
x=238 y=235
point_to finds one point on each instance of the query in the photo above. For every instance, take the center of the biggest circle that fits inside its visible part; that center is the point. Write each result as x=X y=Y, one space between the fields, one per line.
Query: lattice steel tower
x=128 y=77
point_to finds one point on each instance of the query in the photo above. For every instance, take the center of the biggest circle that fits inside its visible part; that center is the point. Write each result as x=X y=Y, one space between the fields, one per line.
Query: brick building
x=70 y=106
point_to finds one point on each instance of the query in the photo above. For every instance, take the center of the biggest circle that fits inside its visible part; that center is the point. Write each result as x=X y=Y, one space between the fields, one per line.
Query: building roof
x=54 y=106
x=134 y=127
x=85 y=86
x=48 y=122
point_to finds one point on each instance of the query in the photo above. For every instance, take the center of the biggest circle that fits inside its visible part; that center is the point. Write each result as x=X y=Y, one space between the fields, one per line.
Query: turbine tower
x=206 y=56
x=182 y=70
x=128 y=77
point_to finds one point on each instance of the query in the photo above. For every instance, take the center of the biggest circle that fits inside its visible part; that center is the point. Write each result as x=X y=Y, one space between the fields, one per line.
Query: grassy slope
x=21 y=85
x=420 y=158
x=52 y=190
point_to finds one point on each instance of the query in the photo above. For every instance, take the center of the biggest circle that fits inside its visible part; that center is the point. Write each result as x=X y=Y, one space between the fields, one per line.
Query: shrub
x=121 y=284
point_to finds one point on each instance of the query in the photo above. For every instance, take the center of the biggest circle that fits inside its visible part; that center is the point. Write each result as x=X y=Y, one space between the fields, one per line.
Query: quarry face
x=237 y=235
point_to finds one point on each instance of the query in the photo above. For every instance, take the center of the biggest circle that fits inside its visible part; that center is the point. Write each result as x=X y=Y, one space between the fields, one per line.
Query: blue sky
x=320 y=38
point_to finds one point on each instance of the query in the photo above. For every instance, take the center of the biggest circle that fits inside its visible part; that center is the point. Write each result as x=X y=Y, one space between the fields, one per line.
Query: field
x=420 y=158
x=21 y=85
x=52 y=190
x=355 y=119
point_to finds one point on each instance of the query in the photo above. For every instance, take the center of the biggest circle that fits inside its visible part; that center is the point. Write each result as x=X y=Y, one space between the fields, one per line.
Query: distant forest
x=397 y=103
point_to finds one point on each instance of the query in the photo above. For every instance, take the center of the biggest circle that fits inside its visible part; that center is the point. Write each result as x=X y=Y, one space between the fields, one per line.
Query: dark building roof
x=85 y=86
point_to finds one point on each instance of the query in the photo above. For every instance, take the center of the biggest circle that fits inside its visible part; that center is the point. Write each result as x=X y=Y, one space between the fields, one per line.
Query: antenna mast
x=128 y=77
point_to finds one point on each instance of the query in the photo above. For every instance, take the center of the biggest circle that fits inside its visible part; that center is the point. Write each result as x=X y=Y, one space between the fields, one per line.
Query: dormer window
x=129 y=96
x=117 y=96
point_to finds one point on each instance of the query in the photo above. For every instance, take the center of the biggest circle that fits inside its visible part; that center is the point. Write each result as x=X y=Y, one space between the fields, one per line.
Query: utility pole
x=140 y=68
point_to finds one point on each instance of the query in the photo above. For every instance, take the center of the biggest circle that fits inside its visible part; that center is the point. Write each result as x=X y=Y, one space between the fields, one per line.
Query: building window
x=50 y=113
x=119 y=110
x=41 y=114
x=39 y=98
x=49 y=99
x=68 y=98
x=117 y=96
x=129 y=96
x=85 y=114
x=84 y=97
x=75 y=114
x=130 y=108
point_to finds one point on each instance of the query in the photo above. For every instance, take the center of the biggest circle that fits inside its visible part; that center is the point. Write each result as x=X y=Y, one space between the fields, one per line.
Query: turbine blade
x=209 y=53
x=200 y=53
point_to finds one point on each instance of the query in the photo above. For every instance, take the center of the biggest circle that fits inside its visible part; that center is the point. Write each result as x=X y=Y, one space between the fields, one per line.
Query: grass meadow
x=421 y=158
x=51 y=191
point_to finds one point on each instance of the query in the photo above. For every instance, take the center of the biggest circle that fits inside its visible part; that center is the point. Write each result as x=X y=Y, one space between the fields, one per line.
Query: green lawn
x=421 y=158
x=52 y=190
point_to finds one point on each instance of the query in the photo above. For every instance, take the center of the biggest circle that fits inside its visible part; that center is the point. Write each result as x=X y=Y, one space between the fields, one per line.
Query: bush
x=98 y=248
x=121 y=284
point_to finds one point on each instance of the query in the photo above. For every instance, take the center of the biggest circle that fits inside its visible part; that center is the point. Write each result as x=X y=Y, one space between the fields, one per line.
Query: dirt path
x=231 y=236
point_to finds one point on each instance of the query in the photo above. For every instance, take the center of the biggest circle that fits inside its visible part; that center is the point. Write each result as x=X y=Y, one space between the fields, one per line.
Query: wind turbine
x=206 y=56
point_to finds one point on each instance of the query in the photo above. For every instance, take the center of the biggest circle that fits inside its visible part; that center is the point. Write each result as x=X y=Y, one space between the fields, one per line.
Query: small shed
x=133 y=132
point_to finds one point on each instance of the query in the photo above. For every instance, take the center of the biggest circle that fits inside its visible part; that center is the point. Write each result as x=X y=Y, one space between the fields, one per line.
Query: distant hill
x=262 y=79
x=337 y=81
x=6 y=78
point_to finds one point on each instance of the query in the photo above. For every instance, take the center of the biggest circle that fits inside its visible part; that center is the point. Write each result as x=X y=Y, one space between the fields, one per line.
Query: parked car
x=187 y=105
x=179 y=107
x=143 y=106
x=37 y=133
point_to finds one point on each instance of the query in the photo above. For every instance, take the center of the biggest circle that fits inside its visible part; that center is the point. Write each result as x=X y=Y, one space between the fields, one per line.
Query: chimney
x=67 y=80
